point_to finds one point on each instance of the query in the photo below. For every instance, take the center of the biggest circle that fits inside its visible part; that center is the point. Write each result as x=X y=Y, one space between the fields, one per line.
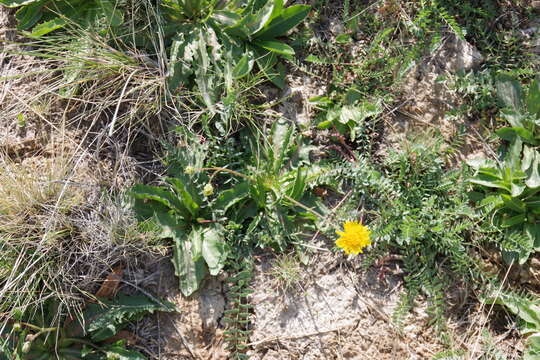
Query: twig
x=296 y=337
x=186 y=344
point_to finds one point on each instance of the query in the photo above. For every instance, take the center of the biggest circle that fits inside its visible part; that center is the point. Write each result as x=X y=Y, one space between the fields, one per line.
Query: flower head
x=208 y=190
x=189 y=170
x=354 y=238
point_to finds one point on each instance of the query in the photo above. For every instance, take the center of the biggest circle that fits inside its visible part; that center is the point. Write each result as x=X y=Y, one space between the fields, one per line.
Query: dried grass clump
x=57 y=237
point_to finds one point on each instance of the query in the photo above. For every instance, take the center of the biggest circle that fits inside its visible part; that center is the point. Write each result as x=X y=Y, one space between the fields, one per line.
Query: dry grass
x=73 y=114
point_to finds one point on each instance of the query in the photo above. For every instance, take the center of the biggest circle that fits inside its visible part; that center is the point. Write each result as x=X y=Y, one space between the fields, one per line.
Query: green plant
x=237 y=316
x=522 y=111
x=286 y=272
x=45 y=16
x=511 y=186
x=77 y=338
x=418 y=210
x=217 y=42
x=182 y=211
x=528 y=312
x=349 y=119
x=263 y=205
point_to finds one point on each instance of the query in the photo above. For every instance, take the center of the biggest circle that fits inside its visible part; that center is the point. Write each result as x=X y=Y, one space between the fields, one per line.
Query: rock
x=211 y=303
x=426 y=96
x=431 y=98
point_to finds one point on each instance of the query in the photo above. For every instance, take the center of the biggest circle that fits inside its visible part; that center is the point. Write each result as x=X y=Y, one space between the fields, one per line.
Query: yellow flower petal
x=354 y=238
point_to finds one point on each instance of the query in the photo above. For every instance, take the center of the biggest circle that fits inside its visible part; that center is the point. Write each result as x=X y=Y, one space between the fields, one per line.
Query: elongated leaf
x=280 y=139
x=182 y=54
x=244 y=66
x=190 y=272
x=187 y=195
x=29 y=15
x=281 y=24
x=514 y=220
x=533 y=231
x=299 y=185
x=214 y=249
x=258 y=20
x=162 y=196
x=112 y=13
x=103 y=322
x=513 y=203
x=533 y=98
x=277 y=47
x=227 y=18
x=231 y=197
x=48 y=26
x=533 y=181
x=491 y=184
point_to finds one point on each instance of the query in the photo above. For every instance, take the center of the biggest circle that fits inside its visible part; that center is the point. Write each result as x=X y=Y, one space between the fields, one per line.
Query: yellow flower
x=354 y=238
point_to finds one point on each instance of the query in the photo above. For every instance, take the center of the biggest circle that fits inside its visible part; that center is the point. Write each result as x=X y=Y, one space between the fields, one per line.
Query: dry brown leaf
x=110 y=284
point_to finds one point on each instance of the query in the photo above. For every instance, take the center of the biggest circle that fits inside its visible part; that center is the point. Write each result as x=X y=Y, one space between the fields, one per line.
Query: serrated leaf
x=48 y=26
x=533 y=231
x=104 y=321
x=280 y=140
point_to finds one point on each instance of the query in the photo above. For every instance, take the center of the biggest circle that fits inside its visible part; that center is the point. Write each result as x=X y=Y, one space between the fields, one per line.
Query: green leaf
x=190 y=272
x=29 y=15
x=513 y=203
x=526 y=310
x=187 y=194
x=533 y=232
x=162 y=196
x=244 y=66
x=281 y=24
x=48 y=26
x=119 y=352
x=256 y=22
x=299 y=185
x=533 y=98
x=277 y=47
x=533 y=180
x=491 y=184
x=514 y=220
x=214 y=249
x=510 y=92
x=112 y=13
x=280 y=140
x=343 y=39
x=231 y=197
x=227 y=18
x=104 y=321
x=183 y=51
